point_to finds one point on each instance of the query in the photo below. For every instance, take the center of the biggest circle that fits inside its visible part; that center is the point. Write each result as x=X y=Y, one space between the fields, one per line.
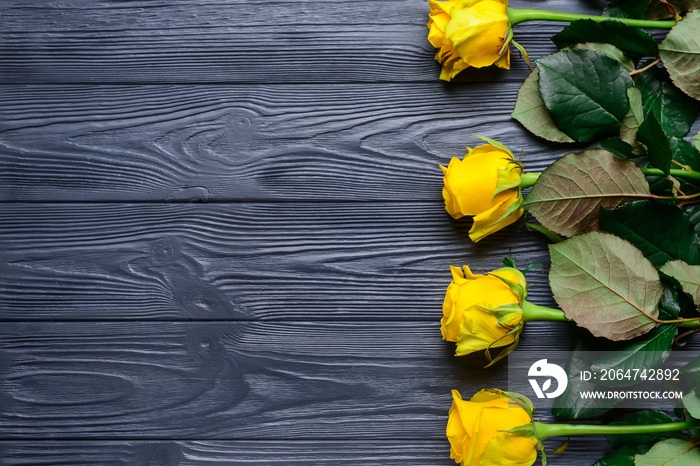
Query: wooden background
x=222 y=233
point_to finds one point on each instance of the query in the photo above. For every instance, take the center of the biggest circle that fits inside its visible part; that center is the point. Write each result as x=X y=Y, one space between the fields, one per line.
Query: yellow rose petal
x=509 y=450
x=469 y=184
x=480 y=330
x=478 y=32
x=493 y=220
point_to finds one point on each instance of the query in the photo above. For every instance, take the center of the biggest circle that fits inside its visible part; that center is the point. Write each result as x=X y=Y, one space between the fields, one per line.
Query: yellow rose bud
x=469 y=33
x=481 y=312
x=485 y=185
x=475 y=430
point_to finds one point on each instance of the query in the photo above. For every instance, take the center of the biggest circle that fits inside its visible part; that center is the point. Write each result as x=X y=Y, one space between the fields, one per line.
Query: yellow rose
x=469 y=33
x=475 y=427
x=481 y=312
x=485 y=185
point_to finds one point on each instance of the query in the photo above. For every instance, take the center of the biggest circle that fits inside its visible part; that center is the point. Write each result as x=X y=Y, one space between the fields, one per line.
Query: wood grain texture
x=223 y=143
x=226 y=453
x=290 y=318
x=356 y=381
x=401 y=452
x=238 y=380
x=243 y=261
x=211 y=41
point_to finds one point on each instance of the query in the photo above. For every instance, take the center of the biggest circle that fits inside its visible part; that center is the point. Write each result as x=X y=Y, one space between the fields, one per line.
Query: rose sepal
x=494 y=143
x=519 y=288
x=521 y=400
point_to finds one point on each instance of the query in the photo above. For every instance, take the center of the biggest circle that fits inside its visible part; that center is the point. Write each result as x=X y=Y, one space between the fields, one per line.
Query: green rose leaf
x=656 y=240
x=652 y=135
x=570 y=404
x=636 y=9
x=648 y=352
x=568 y=195
x=609 y=50
x=634 y=118
x=606 y=285
x=645 y=417
x=623 y=456
x=686 y=153
x=690 y=375
x=691 y=402
x=680 y=52
x=670 y=452
x=631 y=40
x=687 y=275
x=674 y=302
x=618 y=147
x=585 y=92
x=675 y=111
x=531 y=112
x=696 y=140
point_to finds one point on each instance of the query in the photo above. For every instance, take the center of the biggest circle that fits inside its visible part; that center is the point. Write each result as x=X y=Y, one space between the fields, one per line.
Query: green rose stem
x=519 y=15
x=693 y=175
x=533 y=312
x=543 y=431
x=528 y=179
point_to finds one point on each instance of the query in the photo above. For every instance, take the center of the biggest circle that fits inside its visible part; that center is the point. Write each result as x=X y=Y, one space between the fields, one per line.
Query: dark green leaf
x=674 y=301
x=585 y=92
x=531 y=112
x=652 y=135
x=617 y=146
x=690 y=374
x=623 y=456
x=675 y=111
x=643 y=418
x=680 y=52
x=687 y=154
x=570 y=404
x=631 y=40
x=648 y=351
x=670 y=236
x=636 y=9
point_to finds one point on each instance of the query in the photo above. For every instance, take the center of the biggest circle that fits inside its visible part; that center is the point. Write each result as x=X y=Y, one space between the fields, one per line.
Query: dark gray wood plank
x=241 y=380
x=237 y=380
x=225 y=453
x=222 y=143
x=196 y=41
x=243 y=261
x=402 y=452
